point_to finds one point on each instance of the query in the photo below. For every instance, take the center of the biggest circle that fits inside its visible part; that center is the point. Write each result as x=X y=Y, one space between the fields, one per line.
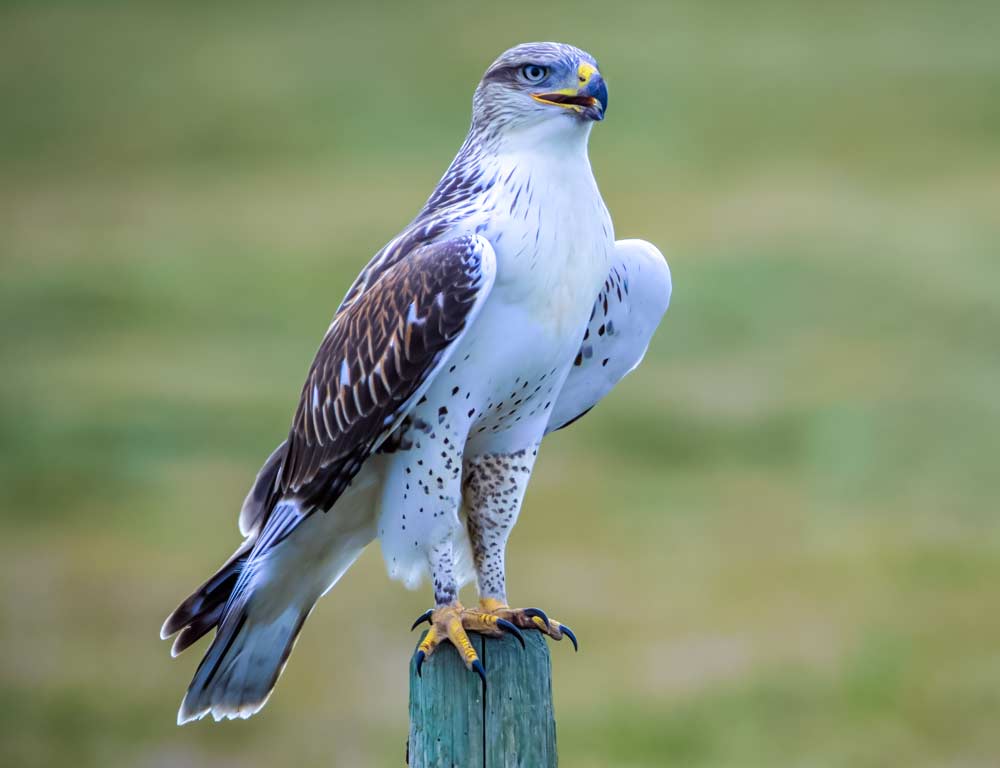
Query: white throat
x=546 y=219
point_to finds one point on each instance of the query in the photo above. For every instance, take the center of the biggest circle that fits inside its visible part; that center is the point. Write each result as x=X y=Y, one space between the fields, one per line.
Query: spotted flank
x=505 y=310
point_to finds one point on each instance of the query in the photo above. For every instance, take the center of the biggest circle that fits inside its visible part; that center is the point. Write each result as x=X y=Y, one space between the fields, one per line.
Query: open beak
x=589 y=99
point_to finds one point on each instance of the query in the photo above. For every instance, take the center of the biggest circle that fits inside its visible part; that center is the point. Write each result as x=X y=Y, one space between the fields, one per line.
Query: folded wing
x=629 y=307
x=377 y=358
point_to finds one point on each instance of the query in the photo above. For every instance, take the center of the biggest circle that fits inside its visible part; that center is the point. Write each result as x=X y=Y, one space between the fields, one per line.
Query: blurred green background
x=778 y=541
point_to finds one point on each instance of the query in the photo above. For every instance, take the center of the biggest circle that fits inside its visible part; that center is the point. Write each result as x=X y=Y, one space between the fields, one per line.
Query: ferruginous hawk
x=504 y=311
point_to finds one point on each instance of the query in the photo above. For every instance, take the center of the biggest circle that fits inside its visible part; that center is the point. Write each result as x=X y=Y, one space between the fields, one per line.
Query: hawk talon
x=420 y=662
x=569 y=633
x=477 y=667
x=425 y=616
x=512 y=628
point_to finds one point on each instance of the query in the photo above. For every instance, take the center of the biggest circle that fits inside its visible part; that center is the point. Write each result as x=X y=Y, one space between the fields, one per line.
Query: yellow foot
x=452 y=623
x=528 y=618
x=491 y=617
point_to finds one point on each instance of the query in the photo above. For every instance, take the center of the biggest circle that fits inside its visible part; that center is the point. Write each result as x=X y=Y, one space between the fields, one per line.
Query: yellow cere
x=584 y=73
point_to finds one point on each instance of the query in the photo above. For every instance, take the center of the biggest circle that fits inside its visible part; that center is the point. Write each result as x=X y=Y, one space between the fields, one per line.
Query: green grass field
x=778 y=541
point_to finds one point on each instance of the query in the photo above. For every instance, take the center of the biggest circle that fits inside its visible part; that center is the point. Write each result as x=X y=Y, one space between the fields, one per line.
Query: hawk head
x=533 y=84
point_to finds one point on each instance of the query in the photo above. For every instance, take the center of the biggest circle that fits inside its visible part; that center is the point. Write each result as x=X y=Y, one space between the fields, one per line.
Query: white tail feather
x=239 y=671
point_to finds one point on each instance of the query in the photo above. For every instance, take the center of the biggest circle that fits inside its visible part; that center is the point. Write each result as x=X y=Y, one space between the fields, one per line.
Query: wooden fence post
x=454 y=722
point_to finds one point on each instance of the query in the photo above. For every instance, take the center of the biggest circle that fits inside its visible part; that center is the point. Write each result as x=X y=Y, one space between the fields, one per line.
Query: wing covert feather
x=379 y=354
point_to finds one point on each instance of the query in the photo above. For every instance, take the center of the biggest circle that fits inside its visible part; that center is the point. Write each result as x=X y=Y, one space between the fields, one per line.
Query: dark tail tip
x=201 y=612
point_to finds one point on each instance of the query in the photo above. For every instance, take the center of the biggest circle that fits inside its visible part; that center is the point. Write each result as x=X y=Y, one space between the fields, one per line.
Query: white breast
x=552 y=235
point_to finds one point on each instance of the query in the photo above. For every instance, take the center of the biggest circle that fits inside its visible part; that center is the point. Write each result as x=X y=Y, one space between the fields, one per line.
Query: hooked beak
x=589 y=99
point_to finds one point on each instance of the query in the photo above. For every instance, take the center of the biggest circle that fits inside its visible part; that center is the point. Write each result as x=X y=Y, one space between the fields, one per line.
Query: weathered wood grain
x=513 y=726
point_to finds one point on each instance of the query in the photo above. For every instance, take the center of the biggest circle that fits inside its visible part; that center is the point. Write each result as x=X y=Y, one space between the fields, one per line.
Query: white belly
x=517 y=363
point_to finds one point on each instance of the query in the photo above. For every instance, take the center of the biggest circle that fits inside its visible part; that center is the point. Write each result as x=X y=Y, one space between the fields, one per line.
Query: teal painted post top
x=454 y=723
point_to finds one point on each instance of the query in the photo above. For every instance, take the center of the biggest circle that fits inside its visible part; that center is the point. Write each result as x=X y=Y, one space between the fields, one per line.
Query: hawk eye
x=533 y=73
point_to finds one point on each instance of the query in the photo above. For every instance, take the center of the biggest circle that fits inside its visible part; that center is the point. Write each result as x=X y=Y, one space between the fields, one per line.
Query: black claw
x=420 y=661
x=477 y=667
x=569 y=633
x=504 y=624
x=425 y=616
x=531 y=612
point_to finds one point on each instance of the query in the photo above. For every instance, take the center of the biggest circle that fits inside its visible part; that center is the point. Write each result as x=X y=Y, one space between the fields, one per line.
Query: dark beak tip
x=598 y=89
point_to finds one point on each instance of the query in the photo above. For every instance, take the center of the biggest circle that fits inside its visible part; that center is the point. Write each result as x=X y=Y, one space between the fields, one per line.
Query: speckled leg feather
x=495 y=484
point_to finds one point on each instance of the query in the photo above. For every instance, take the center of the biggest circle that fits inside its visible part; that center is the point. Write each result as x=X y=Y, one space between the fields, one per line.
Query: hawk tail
x=246 y=657
x=259 y=599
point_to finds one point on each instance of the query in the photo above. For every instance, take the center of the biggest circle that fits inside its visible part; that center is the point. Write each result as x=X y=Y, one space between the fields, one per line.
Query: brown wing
x=380 y=353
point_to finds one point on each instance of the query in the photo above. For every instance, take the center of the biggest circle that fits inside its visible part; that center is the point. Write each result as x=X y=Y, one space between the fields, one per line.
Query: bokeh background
x=778 y=541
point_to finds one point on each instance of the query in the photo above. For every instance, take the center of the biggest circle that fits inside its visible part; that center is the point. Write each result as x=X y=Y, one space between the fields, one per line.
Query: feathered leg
x=494 y=489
